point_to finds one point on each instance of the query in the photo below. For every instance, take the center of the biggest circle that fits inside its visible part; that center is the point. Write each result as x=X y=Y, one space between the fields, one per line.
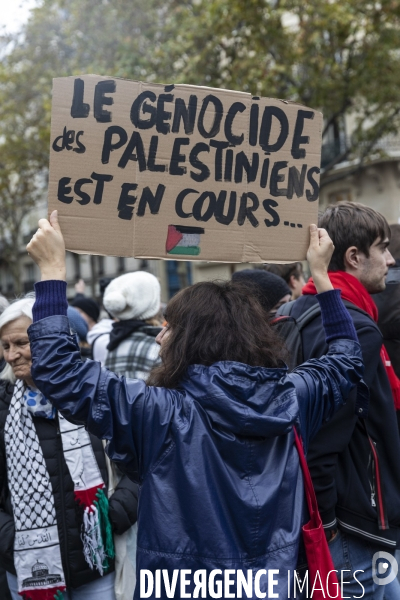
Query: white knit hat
x=133 y=296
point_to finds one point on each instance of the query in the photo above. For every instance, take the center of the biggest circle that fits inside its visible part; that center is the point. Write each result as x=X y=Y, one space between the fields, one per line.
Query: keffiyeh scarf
x=37 y=554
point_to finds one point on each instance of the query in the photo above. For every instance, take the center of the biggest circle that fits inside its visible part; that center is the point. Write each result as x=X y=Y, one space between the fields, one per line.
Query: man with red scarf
x=355 y=461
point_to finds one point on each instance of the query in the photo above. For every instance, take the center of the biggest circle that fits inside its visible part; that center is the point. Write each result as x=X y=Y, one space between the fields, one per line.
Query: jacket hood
x=248 y=401
x=103 y=326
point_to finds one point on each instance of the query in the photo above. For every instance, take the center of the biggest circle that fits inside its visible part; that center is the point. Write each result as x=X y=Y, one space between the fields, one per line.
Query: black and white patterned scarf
x=37 y=554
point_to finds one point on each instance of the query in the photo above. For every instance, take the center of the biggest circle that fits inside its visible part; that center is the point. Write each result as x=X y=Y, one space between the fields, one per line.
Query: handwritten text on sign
x=155 y=167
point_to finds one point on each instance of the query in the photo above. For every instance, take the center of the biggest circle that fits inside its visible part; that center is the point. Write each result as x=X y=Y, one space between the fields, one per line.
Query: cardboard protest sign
x=182 y=172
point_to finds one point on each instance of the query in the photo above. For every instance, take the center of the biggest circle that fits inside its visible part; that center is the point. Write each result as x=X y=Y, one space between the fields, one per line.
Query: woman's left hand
x=47 y=249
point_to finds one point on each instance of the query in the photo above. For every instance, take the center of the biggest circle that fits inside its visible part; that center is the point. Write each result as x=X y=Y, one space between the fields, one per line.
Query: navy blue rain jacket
x=220 y=484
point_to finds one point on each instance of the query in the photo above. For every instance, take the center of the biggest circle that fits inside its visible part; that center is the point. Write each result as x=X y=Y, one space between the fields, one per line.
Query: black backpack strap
x=96 y=338
x=356 y=308
x=302 y=320
x=315 y=310
x=285 y=309
x=307 y=316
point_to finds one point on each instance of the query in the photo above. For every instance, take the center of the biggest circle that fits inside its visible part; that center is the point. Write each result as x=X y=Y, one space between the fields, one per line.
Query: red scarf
x=353 y=291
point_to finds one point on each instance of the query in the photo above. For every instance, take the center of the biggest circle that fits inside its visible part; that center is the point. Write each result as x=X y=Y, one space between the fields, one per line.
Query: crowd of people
x=134 y=442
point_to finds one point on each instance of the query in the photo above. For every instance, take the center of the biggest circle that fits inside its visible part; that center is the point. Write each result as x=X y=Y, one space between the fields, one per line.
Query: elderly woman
x=55 y=523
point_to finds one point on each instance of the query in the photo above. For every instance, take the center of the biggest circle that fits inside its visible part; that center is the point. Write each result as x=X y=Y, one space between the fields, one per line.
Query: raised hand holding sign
x=47 y=249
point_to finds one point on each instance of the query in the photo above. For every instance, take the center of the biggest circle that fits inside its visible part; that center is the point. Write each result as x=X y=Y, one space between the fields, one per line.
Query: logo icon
x=381 y=572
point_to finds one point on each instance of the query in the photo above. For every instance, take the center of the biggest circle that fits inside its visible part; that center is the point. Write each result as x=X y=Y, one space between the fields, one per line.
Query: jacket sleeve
x=135 y=418
x=123 y=505
x=323 y=384
x=7 y=529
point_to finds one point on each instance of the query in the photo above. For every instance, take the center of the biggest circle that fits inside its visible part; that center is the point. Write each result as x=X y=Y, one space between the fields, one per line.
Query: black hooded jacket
x=122 y=510
x=339 y=457
x=388 y=303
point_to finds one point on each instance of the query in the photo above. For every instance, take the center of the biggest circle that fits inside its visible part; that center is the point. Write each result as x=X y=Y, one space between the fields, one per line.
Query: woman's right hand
x=319 y=255
x=47 y=249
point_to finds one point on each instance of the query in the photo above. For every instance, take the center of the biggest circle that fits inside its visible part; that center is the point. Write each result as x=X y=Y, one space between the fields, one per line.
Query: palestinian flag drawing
x=183 y=240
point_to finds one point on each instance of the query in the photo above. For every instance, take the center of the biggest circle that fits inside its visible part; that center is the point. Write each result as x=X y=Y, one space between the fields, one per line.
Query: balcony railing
x=330 y=150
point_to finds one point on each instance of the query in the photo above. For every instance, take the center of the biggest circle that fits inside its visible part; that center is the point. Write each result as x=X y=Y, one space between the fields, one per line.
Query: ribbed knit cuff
x=335 y=317
x=328 y=518
x=51 y=299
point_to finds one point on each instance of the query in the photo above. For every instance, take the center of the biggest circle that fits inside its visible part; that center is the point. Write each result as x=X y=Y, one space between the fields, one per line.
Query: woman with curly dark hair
x=236 y=331
x=210 y=438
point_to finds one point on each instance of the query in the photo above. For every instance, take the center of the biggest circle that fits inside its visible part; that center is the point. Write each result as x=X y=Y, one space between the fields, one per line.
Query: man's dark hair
x=394 y=246
x=285 y=271
x=352 y=224
x=211 y=322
